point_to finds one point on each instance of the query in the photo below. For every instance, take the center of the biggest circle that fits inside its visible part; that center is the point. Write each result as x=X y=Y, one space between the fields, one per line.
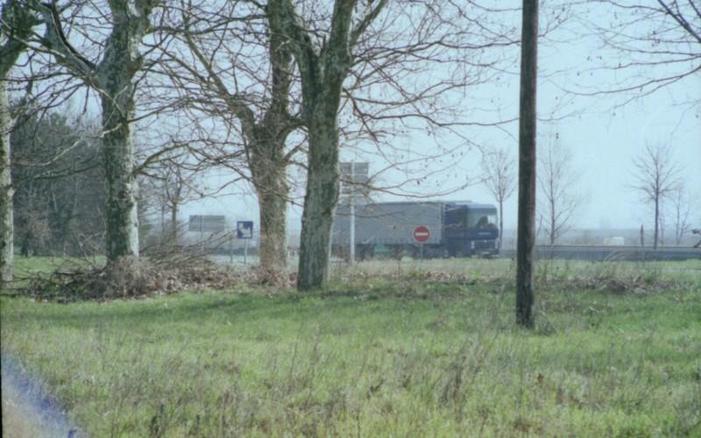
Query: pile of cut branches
x=131 y=277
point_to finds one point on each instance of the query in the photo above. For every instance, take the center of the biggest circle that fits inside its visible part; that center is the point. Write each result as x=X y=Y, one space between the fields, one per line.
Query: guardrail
x=611 y=253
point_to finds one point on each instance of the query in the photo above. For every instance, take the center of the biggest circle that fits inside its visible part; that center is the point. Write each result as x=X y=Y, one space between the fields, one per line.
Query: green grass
x=27 y=268
x=414 y=355
x=687 y=271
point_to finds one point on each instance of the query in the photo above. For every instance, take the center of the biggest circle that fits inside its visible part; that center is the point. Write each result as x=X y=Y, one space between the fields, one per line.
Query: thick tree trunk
x=322 y=75
x=273 y=231
x=6 y=191
x=115 y=74
x=527 y=166
x=122 y=233
x=319 y=202
x=268 y=169
x=113 y=78
x=17 y=20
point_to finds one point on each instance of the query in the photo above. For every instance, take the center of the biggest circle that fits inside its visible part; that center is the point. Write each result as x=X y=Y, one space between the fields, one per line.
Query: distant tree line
x=59 y=187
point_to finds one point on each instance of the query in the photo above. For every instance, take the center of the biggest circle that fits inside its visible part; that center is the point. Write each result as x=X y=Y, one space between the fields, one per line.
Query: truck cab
x=470 y=229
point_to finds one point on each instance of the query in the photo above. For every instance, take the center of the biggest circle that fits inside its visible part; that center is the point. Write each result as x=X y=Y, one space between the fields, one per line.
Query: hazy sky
x=603 y=140
x=602 y=145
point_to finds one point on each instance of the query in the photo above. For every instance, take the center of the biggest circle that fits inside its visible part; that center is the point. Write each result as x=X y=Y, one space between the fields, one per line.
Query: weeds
x=422 y=354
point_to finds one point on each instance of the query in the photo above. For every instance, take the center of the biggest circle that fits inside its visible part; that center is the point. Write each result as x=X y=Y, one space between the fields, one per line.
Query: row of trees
x=286 y=80
x=58 y=207
x=58 y=210
x=59 y=190
x=656 y=178
x=263 y=84
x=555 y=184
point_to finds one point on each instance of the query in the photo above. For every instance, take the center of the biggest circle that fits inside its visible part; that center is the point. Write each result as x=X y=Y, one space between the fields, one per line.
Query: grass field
x=412 y=349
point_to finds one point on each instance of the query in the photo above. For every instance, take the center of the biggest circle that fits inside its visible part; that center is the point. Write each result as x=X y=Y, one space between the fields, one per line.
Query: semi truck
x=424 y=228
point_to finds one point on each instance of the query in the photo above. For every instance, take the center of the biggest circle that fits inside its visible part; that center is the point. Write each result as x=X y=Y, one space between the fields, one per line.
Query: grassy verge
x=414 y=355
x=688 y=271
x=27 y=268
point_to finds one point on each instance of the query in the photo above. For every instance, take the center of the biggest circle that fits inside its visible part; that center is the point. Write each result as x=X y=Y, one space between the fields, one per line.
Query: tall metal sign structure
x=206 y=224
x=354 y=188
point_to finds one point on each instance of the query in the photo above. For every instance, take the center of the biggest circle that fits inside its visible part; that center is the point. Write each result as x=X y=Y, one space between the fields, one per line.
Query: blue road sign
x=244 y=230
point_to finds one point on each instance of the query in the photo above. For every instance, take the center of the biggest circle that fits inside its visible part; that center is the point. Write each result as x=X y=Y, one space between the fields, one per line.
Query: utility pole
x=525 y=250
x=353 y=174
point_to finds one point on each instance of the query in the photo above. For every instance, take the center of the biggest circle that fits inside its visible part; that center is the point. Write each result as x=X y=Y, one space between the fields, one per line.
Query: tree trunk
x=268 y=170
x=319 y=202
x=174 y=223
x=527 y=166
x=6 y=192
x=501 y=223
x=273 y=231
x=163 y=224
x=113 y=79
x=553 y=223
x=17 y=27
x=115 y=75
x=122 y=233
x=657 y=221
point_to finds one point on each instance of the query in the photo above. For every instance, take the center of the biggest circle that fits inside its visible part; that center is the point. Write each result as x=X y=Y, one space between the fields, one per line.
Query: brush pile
x=131 y=277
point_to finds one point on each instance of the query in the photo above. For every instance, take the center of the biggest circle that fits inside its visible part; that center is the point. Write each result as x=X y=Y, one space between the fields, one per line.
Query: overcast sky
x=603 y=139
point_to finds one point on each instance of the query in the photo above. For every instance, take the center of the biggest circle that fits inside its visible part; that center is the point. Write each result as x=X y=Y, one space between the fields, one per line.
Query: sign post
x=354 y=179
x=421 y=234
x=206 y=224
x=231 y=249
x=244 y=230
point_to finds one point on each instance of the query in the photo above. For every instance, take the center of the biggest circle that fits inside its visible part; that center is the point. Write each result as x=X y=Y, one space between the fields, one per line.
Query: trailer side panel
x=389 y=223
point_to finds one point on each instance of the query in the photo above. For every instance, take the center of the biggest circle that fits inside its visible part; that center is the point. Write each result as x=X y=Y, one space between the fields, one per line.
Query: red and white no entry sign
x=421 y=233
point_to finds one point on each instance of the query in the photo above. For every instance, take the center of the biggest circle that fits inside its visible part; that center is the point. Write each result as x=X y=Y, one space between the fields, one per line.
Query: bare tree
x=525 y=247
x=15 y=27
x=6 y=191
x=499 y=177
x=556 y=179
x=240 y=73
x=240 y=64
x=656 y=178
x=343 y=51
x=57 y=180
x=681 y=204
x=652 y=44
x=323 y=73
x=110 y=66
x=171 y=183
